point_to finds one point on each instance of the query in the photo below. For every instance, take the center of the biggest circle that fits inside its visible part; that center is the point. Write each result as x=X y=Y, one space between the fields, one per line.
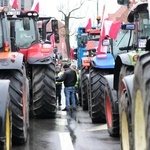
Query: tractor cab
x=4 y=33
x=25 y=34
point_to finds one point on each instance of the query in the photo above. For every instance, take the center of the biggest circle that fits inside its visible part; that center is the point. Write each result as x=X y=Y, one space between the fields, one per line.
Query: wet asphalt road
x=69 y=131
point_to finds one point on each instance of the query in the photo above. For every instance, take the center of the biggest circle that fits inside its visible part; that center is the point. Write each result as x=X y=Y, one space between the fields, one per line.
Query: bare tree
x=68 y=10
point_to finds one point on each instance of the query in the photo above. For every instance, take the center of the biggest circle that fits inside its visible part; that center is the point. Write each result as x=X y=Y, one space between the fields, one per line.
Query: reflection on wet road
x=68 y=131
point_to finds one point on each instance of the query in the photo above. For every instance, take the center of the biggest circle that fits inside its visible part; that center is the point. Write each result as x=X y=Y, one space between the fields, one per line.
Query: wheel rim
x=108 y=111
x=124 y=132
x=139 y=123
x=8 y=136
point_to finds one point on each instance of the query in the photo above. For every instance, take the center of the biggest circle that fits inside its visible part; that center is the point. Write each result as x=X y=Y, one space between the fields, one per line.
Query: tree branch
x=77 y=17
x=75 y=9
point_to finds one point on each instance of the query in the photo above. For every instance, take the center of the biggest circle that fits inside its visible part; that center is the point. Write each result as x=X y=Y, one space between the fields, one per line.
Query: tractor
x=88 y=53
x=119 y=103
x=12 y=68
x=101 y=64
x=39 y=58
x=6 y=117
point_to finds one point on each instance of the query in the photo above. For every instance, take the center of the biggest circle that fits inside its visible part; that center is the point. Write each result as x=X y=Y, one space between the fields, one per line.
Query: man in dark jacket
x=69 y=78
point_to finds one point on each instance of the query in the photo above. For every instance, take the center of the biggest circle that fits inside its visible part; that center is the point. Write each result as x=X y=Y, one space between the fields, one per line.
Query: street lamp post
x=97 y=8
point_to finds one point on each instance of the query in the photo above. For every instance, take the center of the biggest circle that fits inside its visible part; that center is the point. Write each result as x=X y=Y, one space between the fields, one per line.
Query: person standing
x=58 y=86
x=73 y=67
x=69 y=78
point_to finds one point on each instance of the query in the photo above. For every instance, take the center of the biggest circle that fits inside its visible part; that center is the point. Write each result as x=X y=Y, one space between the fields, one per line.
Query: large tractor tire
x=125 y=70
x=5 y=144
x=97 y=86
x=18 y=97
x=124 y=103
x=111 y=111
x=79 y=92
x=44 y=91
x=125 y=116
x=141 y=104
x=83 y=83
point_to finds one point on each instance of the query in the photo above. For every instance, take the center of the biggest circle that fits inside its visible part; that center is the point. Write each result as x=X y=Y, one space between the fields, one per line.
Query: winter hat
x=66 y=66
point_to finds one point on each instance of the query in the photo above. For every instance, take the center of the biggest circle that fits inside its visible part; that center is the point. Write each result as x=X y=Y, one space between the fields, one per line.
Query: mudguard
x=128 y=82
x=103 y=61
x=45 y=60
x=39 y=54
x=4 y=103
x=126 y=59
x=11 y=60
x=110 y=78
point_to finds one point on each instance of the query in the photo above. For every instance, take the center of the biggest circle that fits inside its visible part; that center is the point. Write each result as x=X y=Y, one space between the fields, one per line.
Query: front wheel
x=18 y=99
x=83 y=83
x=44 y=91
x=111 y=111
x=97 y=85
x=141 y=104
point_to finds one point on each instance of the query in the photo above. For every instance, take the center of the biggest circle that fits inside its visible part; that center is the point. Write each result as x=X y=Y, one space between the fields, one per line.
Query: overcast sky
x=89 y=10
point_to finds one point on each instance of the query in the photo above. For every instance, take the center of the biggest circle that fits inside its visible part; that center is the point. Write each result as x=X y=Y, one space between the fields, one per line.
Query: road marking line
x=61 y=112
x=99 y=127
x=65 y=141
x=62 y=122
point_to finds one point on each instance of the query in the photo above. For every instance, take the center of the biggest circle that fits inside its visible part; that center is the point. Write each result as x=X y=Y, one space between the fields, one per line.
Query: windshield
x=122 y=40
x=24 y=38
x=144 y=26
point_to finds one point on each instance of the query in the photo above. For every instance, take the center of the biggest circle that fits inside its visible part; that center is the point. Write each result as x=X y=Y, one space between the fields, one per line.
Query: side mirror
x=55 y=50
x=105 y=42
x=129 y=26
x=54 y=24
x=26 y=23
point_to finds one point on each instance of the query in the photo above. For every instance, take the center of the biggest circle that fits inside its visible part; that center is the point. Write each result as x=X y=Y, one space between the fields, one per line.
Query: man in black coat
x=69 y=78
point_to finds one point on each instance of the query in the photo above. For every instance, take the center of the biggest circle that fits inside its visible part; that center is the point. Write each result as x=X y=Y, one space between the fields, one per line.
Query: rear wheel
x=111 y=111
x=125 y=121
x=125 y=70
x=18 y=99
x=83 y=83
x=97 y=85
x=124 y=108
x=141 y=104
x=44 y=91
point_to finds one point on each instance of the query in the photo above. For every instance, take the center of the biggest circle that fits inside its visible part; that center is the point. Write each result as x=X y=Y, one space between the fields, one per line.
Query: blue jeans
x=70 y=94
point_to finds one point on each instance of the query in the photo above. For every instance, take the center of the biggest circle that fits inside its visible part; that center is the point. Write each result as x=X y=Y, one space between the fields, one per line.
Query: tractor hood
x=104 y=61
x=38 y=53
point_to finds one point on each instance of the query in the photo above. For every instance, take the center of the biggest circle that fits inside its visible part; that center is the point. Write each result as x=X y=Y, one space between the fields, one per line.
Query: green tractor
x=118 y=91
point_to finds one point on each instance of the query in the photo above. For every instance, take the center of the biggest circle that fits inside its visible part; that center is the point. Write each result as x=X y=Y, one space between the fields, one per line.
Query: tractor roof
x=22 y=13
x=94 y=31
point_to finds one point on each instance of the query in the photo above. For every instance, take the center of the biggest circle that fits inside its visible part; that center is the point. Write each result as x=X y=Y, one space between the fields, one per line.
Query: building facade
x=23 y=4
x=26 y=5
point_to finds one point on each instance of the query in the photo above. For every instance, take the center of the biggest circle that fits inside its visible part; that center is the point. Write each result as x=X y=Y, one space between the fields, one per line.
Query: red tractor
x=13 y=69
x=39 y=58
x=5 y=124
